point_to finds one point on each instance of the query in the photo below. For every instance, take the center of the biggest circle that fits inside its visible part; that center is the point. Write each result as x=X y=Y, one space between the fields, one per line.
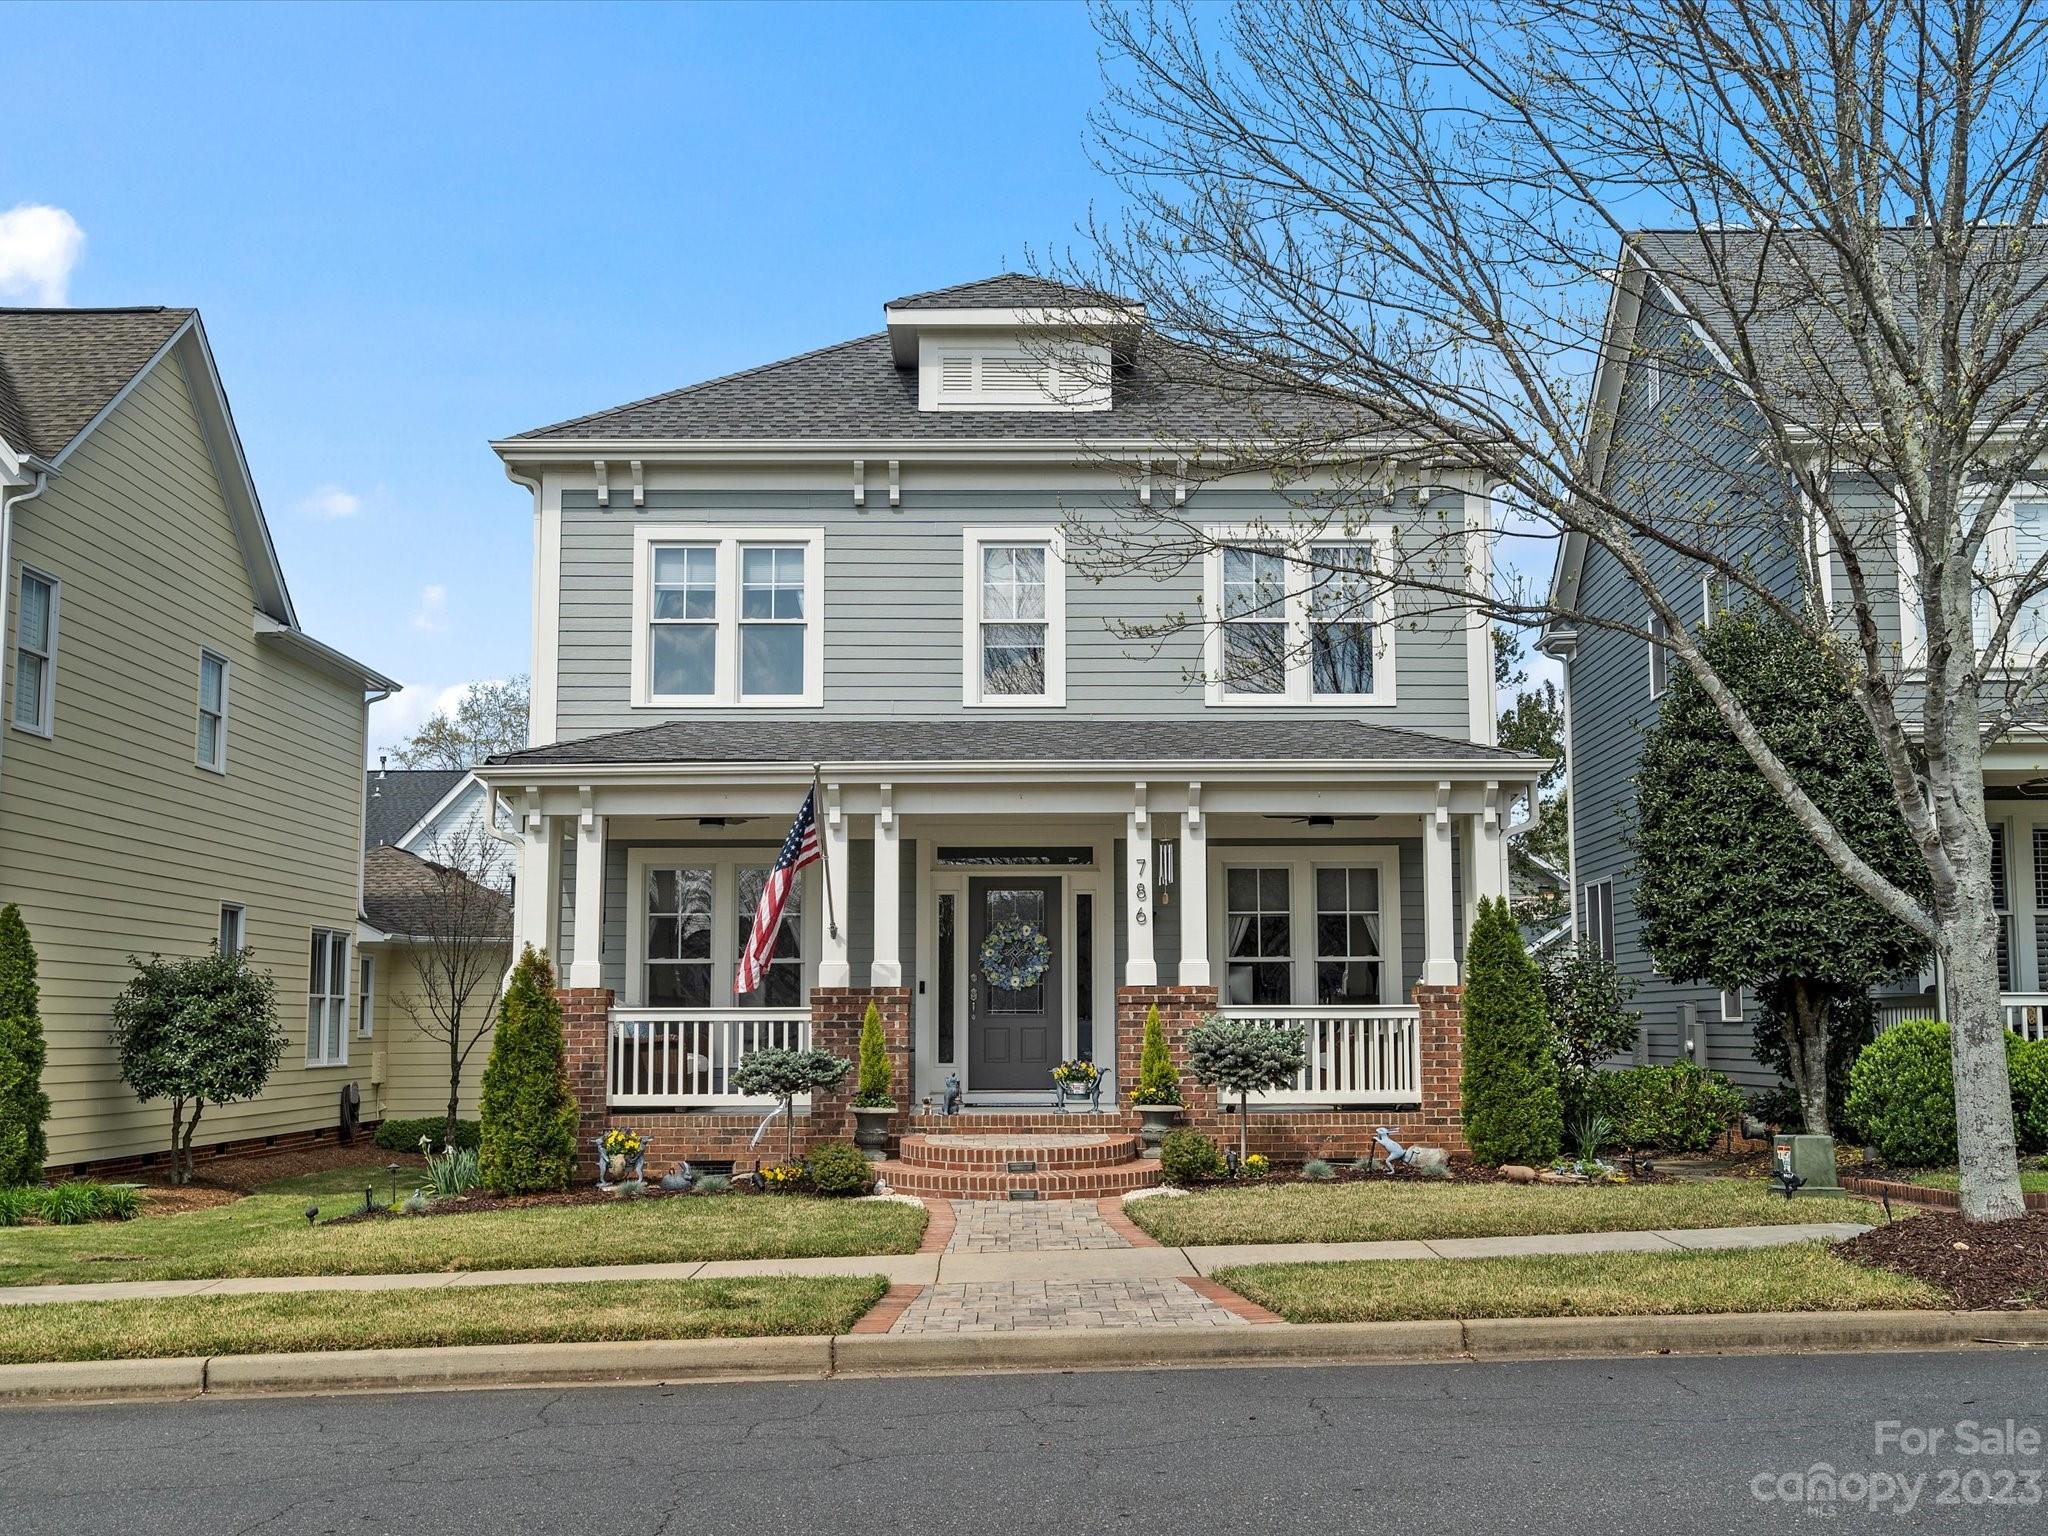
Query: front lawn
x=269 y=1235
x=1802 y=1277
x=2033 y=1181
x=1410 y=1209
x=493 y=1314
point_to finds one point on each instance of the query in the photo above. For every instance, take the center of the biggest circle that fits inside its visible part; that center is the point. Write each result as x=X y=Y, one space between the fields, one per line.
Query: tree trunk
x=177 y=1124
x=192 y=1125
x=1805 y=1021
x=454 y=1081
x=789 y=1130
x=1243 y=1128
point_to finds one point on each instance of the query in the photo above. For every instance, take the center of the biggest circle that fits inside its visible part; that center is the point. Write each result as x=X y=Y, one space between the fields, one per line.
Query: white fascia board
x=462 y=787
x=512 y=777
x=541 y=451
x=326 y=657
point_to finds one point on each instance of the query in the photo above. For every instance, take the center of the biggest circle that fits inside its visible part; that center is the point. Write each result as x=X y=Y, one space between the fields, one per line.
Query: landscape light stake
x=312 y=1214
x=392 y=1169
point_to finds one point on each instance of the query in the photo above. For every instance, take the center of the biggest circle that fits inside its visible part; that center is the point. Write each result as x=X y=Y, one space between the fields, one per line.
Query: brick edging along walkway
x=1923 y=1194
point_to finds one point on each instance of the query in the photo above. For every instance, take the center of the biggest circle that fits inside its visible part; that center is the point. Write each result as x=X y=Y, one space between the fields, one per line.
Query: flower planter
x=617 y=1167
x=1154 y=1121
x=871 y=1128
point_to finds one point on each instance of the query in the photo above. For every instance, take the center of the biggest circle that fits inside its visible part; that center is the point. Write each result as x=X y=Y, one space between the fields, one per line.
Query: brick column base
x=587 y=1031
x=1295 y=1135
x=836 y=1017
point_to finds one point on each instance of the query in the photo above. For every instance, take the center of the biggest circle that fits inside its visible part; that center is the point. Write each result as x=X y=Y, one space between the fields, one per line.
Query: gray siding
x=893 y=596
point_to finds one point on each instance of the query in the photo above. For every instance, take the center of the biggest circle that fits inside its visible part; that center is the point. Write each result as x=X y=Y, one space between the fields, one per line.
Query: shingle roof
x=395 y=799
x=1237 y=740
x=1006 y=290
x=408 y=895
x=60 y=367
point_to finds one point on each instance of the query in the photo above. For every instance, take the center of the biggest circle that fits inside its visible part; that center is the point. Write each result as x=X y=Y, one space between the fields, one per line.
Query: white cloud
x=395 y=719
x=39 y=245
x=331 y=502
x=432 y=614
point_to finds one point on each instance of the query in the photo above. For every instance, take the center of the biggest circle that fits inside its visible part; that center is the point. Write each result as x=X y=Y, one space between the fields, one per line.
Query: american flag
x=798 y=849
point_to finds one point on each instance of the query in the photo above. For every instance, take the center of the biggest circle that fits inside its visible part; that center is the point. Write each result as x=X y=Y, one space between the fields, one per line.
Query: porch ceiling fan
x=1323 y=818
x=711 y=821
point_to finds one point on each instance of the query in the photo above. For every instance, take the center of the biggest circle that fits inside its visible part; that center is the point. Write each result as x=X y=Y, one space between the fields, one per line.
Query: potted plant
x=1077 y=1081
x=1156 y=1098
x=874 y=1098
x=621 y=1158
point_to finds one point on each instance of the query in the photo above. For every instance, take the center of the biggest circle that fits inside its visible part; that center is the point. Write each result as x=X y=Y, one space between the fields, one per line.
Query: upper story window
x=1014 y=640
x=213 y=712
x=234 y=928
x=1299 y=624
x=35 y=654
x=728 y=617
x=1598 y=907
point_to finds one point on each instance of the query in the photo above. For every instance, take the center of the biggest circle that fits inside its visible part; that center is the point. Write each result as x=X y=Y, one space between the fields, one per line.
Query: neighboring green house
x=180 y=763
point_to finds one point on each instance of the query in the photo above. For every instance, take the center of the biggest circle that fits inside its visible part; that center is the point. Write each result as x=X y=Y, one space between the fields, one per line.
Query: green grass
x=268 y=1235
x=1802 y=1277
x=494 y=1314
x=1371 y=1212
x=346 y=1185
x=2033 y=1181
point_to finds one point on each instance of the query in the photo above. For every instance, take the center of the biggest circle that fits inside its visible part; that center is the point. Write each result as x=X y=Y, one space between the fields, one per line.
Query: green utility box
x=1811 y=1158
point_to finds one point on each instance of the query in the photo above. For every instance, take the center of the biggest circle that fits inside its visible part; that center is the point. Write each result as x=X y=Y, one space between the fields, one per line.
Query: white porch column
x=1489 y=848
x=888 y=964
x=1194 y=893
x=1439 y=947
x=539 y=887
x=834 y=967
x=584 y=967
x=1140 y=968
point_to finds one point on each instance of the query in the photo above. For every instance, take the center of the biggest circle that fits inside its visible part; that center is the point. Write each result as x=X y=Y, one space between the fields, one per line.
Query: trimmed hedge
x=1679 y=1108
x=1186 y=1156
x=1902 y=1094
x=839 y=1168
x=404 y=1135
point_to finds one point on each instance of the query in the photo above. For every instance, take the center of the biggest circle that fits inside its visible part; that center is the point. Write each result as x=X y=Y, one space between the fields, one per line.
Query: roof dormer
x=1010 y=343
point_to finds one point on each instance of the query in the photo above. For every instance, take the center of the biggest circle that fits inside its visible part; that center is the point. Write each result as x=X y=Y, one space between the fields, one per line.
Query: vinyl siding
x=893 y=603
x=112 y=840
x=414 y=1079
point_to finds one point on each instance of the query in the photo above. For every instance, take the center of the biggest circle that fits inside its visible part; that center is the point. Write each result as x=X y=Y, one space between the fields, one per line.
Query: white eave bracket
x=1443 y=802
x=639 y=485
x=1141 y=814
x=1492 y=804
x=1195 y=803
x=602 y=470
x=885 y=815
x=895 y=482
x=860 y=482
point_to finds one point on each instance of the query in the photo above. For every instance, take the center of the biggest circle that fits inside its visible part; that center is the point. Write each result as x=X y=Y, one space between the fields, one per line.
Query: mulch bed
x=243 y=1172
x=1462 y=1171
x=475 y=1201
x=2001 y=1265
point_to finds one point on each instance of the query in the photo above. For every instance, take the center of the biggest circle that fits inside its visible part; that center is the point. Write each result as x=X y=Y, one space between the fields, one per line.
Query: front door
x=1013 y=1034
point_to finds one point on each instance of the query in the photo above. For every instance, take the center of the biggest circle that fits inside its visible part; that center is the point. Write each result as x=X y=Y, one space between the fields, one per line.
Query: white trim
x=219 y=764
x=241 y=927
x=729 y=542
x=972 y=543
x=366 y=994
x=1482 y=694
x=1302 y=865
x=1296 y=617
x=1728 y=1015
x=1659 y=655
x=45 y=722
x=724 y=861
x=317 y=1033
x=547 y=612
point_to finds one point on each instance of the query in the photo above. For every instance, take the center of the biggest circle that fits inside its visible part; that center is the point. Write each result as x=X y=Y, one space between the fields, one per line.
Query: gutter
x=9 y=500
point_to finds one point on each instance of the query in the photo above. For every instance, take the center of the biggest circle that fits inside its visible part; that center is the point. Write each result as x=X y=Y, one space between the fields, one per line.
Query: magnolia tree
x=1396 y=232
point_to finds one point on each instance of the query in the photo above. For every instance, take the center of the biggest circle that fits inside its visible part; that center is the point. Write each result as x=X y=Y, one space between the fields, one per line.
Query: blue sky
x=411 y=229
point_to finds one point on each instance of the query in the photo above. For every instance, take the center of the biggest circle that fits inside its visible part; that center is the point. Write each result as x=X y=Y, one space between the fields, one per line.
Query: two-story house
x=852 y=569
x=180 y=762
x=1677 y=437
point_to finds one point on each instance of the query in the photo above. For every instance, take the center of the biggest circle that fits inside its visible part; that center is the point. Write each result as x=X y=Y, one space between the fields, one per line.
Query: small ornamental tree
x=528 y=1113
x=1511 y=1106
x=1158 y=1083
x=1585 y=998
x=783 y=1075
x=876 y=1087
x=197 y=1031
x=23 y=1104
x=1731 y=889
x=1244 y=1057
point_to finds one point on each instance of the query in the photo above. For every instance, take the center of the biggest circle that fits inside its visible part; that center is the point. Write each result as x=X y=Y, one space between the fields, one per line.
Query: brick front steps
x=973 y=1163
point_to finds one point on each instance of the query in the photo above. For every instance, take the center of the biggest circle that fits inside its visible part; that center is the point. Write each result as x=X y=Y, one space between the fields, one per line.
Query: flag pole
x=824 y=856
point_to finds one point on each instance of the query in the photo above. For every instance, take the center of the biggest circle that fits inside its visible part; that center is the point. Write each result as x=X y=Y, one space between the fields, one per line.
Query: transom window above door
x=1298 y=623
x=1013 y=640
x=726 y=617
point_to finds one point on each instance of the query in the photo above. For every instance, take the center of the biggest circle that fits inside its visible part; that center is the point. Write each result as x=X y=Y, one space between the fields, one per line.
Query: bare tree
x=1409 y=222
x=490 y=717
x=455 y=914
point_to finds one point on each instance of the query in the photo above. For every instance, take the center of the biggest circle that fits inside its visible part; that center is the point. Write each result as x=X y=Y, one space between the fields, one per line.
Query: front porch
x=1335 y=901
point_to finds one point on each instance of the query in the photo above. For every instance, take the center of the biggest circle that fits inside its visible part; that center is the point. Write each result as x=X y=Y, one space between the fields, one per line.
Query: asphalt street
x=1593 y=1448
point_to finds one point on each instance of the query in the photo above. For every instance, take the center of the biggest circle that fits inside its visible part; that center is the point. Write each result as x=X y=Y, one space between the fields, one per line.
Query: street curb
x=678 y=1362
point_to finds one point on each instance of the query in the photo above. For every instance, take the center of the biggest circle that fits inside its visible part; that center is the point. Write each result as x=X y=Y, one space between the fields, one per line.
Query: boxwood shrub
x=1186 y=1156
x=404 y=1135
x=839 y=1168
x=1679 y=1108
x=1902 y=1094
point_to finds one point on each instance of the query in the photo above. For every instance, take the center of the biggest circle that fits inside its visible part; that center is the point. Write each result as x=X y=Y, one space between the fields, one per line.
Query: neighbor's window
x=1731 y=1005
x=366 y=1006
x=1340 y=619
x=1014 y=637
x=35 y=653
x=213 y=712
x=1598 y=909
x=679 y=938
x=727 y=617
x=1660 y=656
x=1254 y=621
x=1258 y=919
x=782 y=985
x=234 y=928
x=327 y=1000
x=1348 y=935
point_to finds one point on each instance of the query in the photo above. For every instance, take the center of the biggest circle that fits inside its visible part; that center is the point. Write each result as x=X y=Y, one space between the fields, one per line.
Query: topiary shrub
x=876 y=1085
x=839 y=1168
x=1512 y=1111
x=2026 y=1062
x=528 y=1114
x=1244 y=1057
x=783 y=1075
x=1158 y=1083
x=1902 y=1095
x=1679 y=1108
x=1186 y=1156
x=23 y=1104
x=404 y=1135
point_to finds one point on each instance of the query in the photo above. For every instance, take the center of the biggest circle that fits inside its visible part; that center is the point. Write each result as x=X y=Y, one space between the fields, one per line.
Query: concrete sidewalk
x=958 y=1268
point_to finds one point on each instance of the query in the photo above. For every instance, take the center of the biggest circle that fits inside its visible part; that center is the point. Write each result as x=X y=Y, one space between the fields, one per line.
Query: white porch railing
x=1352 y=1055
x=662 y=1058
x=2026 y=1013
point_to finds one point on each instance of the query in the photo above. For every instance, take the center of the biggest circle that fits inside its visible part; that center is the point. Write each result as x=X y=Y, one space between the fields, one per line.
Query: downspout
x=9 y=500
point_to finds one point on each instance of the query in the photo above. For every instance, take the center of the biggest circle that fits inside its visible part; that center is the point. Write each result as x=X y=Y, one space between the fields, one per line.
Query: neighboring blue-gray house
x=853 y=567
x=1684 y=444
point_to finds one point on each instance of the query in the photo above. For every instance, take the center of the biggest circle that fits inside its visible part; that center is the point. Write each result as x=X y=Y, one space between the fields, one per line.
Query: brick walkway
x=1008 y=1226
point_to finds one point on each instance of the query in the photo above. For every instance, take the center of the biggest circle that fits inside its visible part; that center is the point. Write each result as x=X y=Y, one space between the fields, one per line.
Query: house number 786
x=1138 y=896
